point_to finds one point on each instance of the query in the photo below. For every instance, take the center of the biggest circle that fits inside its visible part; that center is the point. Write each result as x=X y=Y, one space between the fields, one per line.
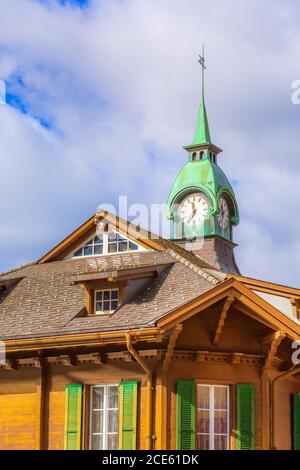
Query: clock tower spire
x=202 y=203
x=202 y=135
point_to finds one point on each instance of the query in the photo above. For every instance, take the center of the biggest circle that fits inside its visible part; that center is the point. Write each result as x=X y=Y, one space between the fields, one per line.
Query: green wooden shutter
x=128 y=393
x=296 y=421
x=245 y=433
x=185 y=415
x=73 y=416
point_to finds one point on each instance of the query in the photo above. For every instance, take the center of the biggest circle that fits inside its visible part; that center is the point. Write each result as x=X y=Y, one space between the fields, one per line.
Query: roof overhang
x=257 y=308
x=143 y=237
x=121 y=275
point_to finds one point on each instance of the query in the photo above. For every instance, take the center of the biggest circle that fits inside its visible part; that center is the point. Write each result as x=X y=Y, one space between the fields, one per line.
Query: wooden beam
x=273 y=341
x=40 y=408
x=171 y=345
x=222 y=319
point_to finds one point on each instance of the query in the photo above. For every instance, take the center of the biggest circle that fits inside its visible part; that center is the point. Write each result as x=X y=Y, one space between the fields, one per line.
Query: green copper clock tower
x=201 y=203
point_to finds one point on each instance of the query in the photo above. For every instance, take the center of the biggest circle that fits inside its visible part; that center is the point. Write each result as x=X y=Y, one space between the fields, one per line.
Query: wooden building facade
x=191 y=358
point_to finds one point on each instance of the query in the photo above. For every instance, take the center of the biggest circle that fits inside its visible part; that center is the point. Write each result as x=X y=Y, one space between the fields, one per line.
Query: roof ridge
x=197 y=269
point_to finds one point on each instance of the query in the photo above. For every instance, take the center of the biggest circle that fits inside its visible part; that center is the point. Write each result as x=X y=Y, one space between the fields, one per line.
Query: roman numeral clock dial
x=194 y=209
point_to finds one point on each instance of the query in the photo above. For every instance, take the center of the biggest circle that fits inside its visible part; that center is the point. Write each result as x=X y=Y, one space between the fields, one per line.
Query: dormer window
x=106 y=243
x=117 y=243
x=92 y=247
x=106 y=301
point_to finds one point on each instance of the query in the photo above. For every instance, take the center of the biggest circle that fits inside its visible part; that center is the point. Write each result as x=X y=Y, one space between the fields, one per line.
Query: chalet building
x=120 y=339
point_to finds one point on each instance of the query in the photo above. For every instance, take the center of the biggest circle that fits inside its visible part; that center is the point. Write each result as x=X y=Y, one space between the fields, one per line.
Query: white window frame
x=105 y=434
x=105 y=247
x=212 y=410
x=105 y=312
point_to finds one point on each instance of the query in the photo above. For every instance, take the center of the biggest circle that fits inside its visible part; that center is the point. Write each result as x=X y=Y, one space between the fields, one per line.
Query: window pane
x=97 y=422
x=98 y=249
x=203 y=441
x=221 y=422
x=88 y=250
x=106 y=306
x=98 y=397
x=112 y=422
x=106 y=295
x=203 y=397
x=123 y=246
x=112 y=399
x=78 y=252
x=98 y=239
x=112 y=247
x=99 y=307
x=203 y=421
x=112 y=442
x=132 y=246
x=114 y=305
x=97 y=442
x=220 y=398
x=99 y=295
x=220 y=442
x=115 y=294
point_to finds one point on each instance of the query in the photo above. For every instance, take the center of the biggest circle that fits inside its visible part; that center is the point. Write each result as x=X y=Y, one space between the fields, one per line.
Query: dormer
x=106 y=291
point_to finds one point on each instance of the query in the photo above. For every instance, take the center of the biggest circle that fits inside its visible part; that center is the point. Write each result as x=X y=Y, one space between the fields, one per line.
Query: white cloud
x=120 y=84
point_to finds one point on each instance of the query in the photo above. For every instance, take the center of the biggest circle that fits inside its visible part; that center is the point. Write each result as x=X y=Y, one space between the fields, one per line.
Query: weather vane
x=201 y=60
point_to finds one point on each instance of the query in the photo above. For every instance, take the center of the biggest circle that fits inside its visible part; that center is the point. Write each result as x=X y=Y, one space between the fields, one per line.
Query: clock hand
x=191 y=216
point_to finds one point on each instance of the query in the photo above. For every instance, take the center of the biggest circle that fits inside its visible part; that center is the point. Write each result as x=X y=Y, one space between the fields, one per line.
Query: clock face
x=223 y=216
x=194 y=209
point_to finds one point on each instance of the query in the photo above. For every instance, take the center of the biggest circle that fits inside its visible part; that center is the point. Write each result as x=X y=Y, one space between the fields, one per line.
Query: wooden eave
x=267 y=287
x=145 y=239
x=260 y=309
x=149 y=335
x=125 y=274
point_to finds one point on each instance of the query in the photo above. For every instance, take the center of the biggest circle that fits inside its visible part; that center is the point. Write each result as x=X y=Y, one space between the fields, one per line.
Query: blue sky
x=101 y=97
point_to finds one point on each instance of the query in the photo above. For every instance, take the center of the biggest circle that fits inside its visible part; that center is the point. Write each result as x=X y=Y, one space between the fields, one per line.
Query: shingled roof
x=40 y=300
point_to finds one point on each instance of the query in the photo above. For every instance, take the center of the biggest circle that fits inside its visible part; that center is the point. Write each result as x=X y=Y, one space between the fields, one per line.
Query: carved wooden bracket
x=222 y=319
x=273 y=341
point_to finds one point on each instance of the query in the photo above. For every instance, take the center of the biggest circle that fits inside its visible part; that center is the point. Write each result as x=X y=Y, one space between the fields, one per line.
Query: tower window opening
x=194 y=156
x=201 y=155
x=210 y=155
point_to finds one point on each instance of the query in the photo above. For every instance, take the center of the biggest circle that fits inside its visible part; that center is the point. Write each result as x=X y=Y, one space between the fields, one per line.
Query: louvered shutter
x=296 y=421
x=245 y=433
x=128 y=393
x=185 y=415
x=73 y=416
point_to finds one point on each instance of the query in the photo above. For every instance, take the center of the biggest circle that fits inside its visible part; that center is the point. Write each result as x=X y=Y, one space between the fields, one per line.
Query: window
x=201 y=155
x=194 y=156
x=92 y=247
x=106 y=301
x=212 y=417
x=117 y=243
x=103 y=244
x=104 y=417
